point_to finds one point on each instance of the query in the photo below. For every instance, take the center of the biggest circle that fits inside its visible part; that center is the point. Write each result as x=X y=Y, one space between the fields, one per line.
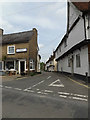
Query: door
x=22 y=66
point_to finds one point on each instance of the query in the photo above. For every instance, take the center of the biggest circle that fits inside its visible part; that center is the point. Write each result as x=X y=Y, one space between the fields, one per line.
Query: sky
x=49 y=18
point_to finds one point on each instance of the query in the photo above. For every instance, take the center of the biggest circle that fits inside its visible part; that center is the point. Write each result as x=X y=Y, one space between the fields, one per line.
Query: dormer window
x=11 y=49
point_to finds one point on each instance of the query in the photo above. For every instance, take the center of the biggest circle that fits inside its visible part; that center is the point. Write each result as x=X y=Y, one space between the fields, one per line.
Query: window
x=65 y=42
x=1 y=66
x=32 y=65
x=10 y=65
x=69 y=62
x=11 y=50
x=60 y=49
x=78 y=61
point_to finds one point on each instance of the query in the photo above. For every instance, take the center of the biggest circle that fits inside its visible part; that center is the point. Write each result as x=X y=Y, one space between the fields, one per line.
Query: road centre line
x=35 y=85
x=49 y=77
x=38 y=83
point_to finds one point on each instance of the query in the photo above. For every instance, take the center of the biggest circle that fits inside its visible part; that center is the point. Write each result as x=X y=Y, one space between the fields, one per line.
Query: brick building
x=19 y=52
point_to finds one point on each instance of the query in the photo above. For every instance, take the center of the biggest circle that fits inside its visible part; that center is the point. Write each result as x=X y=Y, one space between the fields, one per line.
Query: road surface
x=48 y=95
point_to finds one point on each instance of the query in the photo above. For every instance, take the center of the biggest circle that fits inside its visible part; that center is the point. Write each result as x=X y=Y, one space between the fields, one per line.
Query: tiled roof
x=82 y=6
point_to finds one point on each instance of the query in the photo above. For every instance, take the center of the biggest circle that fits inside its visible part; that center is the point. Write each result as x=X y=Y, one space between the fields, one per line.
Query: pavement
x=48 y=95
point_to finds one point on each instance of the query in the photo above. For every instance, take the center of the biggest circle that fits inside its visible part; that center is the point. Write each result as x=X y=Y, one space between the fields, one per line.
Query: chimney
x=1 y=32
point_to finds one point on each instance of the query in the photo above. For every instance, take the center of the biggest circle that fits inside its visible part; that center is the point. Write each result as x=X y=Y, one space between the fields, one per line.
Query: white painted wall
x=63 y=64
x=75 y=37
x=74 y=13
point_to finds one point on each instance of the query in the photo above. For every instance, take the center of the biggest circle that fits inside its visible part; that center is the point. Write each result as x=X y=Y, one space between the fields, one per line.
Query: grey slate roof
x=21 y=37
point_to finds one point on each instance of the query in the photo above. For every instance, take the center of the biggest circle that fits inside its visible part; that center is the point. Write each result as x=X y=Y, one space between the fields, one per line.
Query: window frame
x=8 y=50
x=79 y=64
x=33 y=64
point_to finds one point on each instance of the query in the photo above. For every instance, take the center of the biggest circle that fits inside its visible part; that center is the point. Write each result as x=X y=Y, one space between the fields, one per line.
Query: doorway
x=22 y=66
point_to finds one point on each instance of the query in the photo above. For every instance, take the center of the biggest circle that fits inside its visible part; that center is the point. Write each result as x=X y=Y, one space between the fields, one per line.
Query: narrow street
x=48 y=95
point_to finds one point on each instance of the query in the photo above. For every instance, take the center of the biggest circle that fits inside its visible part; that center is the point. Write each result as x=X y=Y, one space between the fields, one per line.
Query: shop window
x=32 y=65
x=78 y=60
x=11 y=50
x=10 y=65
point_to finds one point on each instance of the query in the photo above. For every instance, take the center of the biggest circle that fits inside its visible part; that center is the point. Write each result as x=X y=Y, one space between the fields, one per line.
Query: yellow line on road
x=78 y=82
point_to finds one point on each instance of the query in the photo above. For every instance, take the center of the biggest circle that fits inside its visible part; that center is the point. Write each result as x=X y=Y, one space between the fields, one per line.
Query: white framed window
x=32 y=64
x=11 y=49
x=78 y=63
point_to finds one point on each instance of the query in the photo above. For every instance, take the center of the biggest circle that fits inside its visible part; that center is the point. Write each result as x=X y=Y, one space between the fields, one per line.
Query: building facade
x=73 y=52
x=19 y=52
x=51 y=64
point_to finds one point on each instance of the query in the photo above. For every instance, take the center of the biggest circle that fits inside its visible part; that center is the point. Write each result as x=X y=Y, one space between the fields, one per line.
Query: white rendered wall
x=73 y=15
x=63 y=64
x=76 y=36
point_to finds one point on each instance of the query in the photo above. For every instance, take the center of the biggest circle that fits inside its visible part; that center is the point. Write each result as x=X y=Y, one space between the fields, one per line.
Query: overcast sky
x=48 y=17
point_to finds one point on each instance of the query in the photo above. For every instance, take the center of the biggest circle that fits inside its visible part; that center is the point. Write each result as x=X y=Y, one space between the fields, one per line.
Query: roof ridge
x=18 y=32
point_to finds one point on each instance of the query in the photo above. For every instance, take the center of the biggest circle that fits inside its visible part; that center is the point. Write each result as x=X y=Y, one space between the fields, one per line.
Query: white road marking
x=48 y=91
x=39 y=92
x=77 y=98
x=63 y=96
x=7 y=87
x=35 y=85
x=57 y=85
x=42 y=93
x=25 y=90
x=79 y=95
x=1 y=86
x=30 y=91
x=38 y=83
x=17 y=89
x=37 y=89
x=49 y=77
x=64 y=93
